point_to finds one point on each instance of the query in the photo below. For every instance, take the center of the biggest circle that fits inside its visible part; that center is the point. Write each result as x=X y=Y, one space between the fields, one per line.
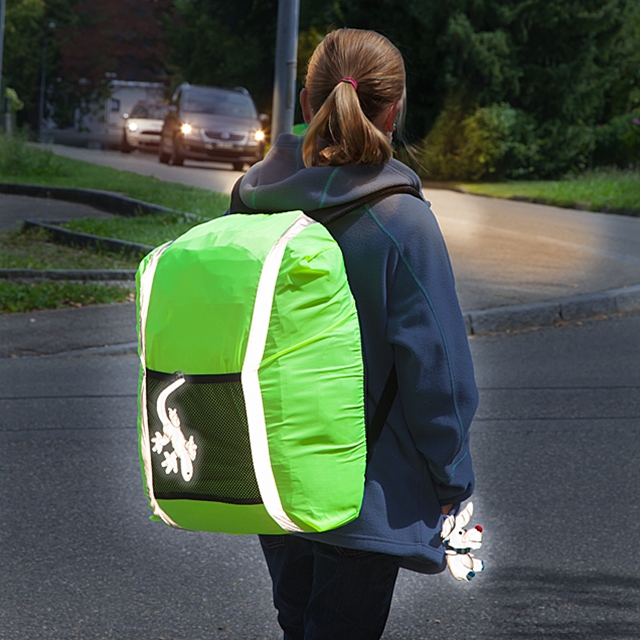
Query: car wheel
x=177 y=155
x=238 y=166
x=125 y=147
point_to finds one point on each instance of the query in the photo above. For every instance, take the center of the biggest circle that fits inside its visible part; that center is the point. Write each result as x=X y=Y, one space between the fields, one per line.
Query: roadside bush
x=617 y=143
x=486 y=143
x=564 y=148
x=17 y=158
x=500 y=142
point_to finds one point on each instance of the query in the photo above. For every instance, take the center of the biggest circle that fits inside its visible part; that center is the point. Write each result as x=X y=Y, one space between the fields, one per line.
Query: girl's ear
x=391 y=117
x=304 y=103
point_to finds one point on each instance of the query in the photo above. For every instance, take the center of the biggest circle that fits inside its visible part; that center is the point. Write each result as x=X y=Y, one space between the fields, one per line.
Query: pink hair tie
x=351 y=81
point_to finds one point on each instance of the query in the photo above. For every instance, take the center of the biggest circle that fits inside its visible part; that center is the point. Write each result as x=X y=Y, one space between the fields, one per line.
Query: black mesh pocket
x=199 y=438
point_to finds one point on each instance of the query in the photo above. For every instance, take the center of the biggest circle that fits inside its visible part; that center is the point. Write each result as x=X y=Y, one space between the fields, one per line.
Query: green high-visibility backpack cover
x=251 y=402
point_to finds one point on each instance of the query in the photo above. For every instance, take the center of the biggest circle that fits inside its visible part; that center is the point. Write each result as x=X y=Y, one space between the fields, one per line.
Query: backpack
x=251 y=393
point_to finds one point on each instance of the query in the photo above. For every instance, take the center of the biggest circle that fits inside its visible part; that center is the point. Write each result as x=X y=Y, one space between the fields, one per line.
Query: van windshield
x=150 y=111
x=219 y=103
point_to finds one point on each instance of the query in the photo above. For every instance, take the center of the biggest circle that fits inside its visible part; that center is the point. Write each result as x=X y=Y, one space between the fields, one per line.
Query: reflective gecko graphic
x=183 y=450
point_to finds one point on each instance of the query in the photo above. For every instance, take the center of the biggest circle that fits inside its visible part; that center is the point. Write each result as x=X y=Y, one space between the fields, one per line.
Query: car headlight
x=132 y=126
x=259 y=136
x=186 y=128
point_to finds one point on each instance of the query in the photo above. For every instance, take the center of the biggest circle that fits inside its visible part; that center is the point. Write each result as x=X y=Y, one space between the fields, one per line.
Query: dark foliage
x=496 y=88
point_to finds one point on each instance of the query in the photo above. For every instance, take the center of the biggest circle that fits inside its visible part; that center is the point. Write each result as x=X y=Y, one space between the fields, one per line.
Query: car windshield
x=219 y=103
x=149 y=111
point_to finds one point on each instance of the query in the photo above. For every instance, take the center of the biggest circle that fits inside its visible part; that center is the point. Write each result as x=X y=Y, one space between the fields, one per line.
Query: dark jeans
x=324 y=592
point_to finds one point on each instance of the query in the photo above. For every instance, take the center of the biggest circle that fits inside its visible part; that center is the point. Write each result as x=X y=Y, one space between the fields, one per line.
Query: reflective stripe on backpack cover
x=251 y=402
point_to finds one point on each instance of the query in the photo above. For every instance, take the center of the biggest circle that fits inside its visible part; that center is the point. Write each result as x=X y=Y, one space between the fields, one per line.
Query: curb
x=64 y=236
x=541 y=314
x=103 y=200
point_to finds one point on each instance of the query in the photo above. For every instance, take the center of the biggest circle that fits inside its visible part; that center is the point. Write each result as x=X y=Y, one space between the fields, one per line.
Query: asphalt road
x=556 y=452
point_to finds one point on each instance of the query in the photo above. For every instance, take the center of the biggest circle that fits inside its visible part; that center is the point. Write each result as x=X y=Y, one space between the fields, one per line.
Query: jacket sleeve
x=436 y=381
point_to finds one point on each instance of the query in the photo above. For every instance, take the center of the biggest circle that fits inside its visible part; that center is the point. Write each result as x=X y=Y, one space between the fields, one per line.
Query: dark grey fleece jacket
x=401 y=278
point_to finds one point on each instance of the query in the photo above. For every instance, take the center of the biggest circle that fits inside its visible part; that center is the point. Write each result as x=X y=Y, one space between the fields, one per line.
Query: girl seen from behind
x=339 y=584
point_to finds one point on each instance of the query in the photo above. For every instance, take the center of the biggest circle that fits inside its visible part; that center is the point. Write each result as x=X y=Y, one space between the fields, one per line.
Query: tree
x=117 y=38
x=233 y=43
x=121 y=39
x=553 y=61
x=557 y=63
x=224 y=44
x=87 y=43
x=550 y=81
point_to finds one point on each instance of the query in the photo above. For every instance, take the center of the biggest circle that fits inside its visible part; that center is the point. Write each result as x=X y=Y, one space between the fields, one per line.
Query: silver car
x=142 y=127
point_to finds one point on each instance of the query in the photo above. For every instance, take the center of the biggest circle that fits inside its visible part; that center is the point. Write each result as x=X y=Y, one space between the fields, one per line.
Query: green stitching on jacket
x=326 y=188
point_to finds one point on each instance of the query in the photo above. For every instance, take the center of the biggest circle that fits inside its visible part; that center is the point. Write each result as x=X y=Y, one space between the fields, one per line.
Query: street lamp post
x=284 y=87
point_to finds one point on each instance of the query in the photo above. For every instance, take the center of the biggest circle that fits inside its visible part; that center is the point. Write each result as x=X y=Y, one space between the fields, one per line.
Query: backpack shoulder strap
x=329 y=214
x=388 y=395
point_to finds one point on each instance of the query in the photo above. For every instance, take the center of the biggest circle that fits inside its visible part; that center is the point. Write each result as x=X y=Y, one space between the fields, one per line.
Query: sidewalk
x=517 y=265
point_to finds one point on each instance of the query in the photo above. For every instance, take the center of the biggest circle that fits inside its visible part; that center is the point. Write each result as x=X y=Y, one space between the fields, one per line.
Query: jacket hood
x=281 y=182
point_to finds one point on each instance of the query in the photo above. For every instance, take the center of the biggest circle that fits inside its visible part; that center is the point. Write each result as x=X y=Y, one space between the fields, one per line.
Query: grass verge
x=153 y=230
x=33 y=250
x=19 y=297
x=603 y=190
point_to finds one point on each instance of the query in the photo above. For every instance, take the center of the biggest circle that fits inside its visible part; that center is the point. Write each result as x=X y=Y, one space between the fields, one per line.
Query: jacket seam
x=334 y=173
x=440 y=330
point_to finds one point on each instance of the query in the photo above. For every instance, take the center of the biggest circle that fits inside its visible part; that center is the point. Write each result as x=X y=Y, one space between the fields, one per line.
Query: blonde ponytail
x=352 y=76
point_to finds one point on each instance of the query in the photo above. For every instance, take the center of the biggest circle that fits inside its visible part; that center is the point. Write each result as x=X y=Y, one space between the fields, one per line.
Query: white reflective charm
x=183 y=450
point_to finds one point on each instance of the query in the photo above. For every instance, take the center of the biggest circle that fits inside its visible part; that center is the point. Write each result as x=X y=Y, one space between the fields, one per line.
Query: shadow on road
x=517 y=603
